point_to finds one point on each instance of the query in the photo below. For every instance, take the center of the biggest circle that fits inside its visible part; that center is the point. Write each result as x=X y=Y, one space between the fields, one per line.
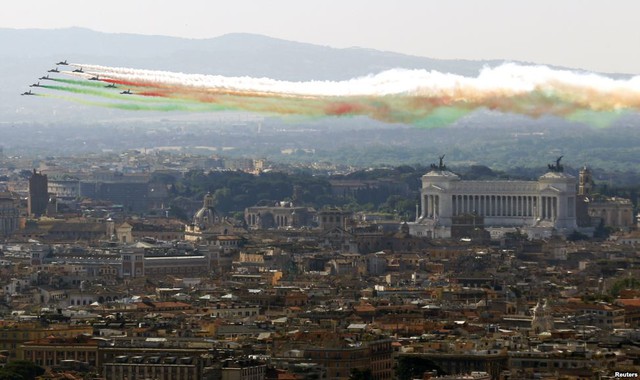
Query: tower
x=542 y=318
x=585 y=181
x=38 y=194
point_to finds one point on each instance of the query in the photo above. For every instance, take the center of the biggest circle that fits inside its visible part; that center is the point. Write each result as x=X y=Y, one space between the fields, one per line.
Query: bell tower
x=585 y=182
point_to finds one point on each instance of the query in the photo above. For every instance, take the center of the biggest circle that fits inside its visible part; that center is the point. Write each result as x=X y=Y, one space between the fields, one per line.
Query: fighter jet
x=78 y=70
x=127 y=92
x=35 y=85
x=28 y=93
x=44 y=77
x=111 y=85
x=54 y=70
x=94 y=78
x=62 y=62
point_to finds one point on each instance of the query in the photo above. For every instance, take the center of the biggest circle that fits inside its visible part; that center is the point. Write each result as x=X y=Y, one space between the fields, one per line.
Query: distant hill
x=28 y=53
x=231 y=54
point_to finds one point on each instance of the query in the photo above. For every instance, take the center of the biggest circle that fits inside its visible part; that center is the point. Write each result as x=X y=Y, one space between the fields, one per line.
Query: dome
x=207 y=216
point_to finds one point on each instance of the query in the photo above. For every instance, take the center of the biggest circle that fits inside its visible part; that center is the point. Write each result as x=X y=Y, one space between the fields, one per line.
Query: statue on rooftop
x=557 y=168
x=441 y=166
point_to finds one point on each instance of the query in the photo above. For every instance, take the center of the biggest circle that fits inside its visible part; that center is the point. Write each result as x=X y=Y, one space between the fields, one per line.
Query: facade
x=373 y=355
x=130 y=192
x=548 y=203
x=9 y=213
x=52 y=351
x=242 y=370
x=279 y=215
x=329 y=219
x=14 y=334
x=38 y=194
x=614 y=212
x=65 y=190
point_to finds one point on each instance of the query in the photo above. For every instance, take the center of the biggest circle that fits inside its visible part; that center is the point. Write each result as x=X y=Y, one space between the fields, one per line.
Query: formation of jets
x=78 y=70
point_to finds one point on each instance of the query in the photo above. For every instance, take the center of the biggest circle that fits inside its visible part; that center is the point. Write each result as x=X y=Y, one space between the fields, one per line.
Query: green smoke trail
x=194 y=107
x=84 y=83
x=105 y=93
x=441 y=117
x=597 y=119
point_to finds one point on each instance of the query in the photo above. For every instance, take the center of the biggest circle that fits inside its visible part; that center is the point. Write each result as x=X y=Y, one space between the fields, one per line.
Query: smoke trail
x=139 y=107
x=420 y=97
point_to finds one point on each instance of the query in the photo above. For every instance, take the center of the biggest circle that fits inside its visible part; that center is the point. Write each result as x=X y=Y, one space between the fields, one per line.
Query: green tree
x=624 y=283
x=7 y=375
x=360 y=374
x=24 y=368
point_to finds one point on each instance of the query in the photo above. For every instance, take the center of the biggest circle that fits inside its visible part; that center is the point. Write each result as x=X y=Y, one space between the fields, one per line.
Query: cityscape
x=184 y=211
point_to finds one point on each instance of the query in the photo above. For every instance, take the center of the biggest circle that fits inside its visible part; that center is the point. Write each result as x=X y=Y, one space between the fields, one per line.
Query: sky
x=587 y=34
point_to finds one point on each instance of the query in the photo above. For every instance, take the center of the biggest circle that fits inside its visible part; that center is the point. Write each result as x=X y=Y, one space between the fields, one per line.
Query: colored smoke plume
x=419 y=97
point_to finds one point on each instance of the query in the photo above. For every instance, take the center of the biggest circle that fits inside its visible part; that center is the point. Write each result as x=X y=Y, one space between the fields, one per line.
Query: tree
x=360 y=374
x=25 y=369
x=6 y=375
x=624 y=283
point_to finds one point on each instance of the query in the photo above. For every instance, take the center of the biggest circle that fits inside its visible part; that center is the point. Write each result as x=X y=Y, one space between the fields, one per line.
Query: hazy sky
x=597 y=35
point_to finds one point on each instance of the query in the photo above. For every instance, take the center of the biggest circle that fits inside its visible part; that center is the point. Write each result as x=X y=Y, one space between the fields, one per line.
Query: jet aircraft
x=127 y=92
x=35 y=85
x=94 y=78
x=28 y=93
x=54 y=70
x=78 y=70
x=111 y=85
x=45 y=77
x=62 y=62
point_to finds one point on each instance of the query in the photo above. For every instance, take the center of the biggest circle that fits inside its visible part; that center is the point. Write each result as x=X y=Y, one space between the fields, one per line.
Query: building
x=340 y=361
x=52 y=351
x=277 y=215
x=331 y=218
x=14 y=334
x=548 y=204
x=132 y=192
x=242 y=370
x=208 y=223
x=593 y=209
x=38 y=194
x=154 y=358
x=65 y=190
x=613 y=212
x=9 y=213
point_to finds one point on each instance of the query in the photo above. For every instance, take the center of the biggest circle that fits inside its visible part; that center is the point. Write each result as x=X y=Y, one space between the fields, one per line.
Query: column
x=454 y=212
x=423 y=214
x=431 y=207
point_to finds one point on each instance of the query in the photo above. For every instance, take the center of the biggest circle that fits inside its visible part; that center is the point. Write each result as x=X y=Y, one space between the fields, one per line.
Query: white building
x=539 y=208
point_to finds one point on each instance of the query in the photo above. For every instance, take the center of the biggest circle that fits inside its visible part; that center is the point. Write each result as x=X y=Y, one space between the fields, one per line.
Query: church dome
x=207 y=216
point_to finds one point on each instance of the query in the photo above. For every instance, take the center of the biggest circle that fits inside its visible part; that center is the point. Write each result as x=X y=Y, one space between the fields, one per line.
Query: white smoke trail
x=506 y=79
